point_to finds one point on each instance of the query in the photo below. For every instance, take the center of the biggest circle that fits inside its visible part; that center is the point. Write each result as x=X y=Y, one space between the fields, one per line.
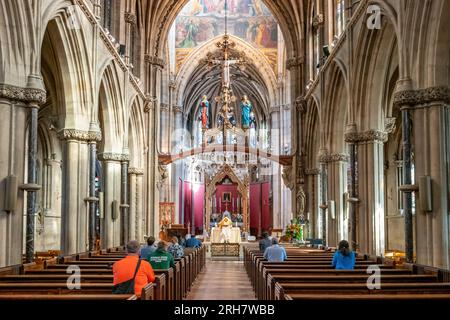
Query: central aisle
x=222 y=280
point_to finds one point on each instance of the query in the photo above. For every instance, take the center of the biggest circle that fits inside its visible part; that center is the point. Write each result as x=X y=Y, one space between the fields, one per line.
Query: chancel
x=239 y=142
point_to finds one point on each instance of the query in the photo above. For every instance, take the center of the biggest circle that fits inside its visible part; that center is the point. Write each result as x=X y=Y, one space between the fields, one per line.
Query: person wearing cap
x=123 y=270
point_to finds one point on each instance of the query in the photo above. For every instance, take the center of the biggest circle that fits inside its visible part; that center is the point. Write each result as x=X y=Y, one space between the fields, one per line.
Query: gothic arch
x=243 y=189
x=258 y=60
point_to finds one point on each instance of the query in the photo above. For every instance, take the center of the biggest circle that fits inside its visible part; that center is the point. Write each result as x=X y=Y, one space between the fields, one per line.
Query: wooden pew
x=359 y=288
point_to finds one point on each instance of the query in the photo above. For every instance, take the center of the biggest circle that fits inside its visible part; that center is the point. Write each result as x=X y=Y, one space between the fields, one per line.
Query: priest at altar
x=224 y=232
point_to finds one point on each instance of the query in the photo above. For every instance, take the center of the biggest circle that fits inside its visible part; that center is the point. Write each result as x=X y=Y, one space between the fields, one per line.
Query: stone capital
x=318 y=20
x=274 y=109
x=367 y=136
x=27 y=95
x=301 y=104
x=164 y=107
x=115 y=157
x=413 y=98
x=136 y=171
x=337 y=157
x=177 y=109
x=130 y=18
x=312 y=172
x=79 y=135
x=294 y=62
x=154 y=61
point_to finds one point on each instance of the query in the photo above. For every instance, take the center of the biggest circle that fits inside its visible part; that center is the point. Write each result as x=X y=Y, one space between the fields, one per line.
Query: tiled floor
x=222 y=280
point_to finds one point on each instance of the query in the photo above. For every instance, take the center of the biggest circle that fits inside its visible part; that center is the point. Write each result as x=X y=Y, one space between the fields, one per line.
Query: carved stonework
x=368 y=136
x=312 y=172
x=130 y=18
x=80 y=135
x=422 y=96
x=337 y=157
x=153 y=60
x=294 y=62
x=301 y=201
x=116 y=157
x=389 y=125
x=287 y=176
x=23 y=94
x=177 y=109
x=318 y=20
x=136 y=171
x=301 y=105
x=150 y=104
x=163 y=175
x=164 y=107
x=274 y=109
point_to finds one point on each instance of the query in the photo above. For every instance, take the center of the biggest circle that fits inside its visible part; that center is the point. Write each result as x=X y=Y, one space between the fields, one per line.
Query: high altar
x=229 y=229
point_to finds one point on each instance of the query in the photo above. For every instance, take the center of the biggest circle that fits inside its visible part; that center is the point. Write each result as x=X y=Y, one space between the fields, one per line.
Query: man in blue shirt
x=149 y=248
x=192 y=242
x=275 y=253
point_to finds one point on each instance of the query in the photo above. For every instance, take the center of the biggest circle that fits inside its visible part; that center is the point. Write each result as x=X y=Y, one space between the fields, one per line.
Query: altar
x=217 y=237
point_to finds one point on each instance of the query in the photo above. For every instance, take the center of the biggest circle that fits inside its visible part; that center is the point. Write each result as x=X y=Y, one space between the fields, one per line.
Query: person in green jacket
x=160 y=258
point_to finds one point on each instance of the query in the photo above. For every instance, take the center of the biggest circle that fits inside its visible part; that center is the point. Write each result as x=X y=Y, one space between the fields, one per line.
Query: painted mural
x=202 y=20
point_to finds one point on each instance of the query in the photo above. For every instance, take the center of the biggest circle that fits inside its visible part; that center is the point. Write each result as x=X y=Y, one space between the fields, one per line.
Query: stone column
x=430 y=118
x=337 y=178
x=112 y=179
x=154 y=66
x=323 y=159
x=124 y=199
x=177 y=167
x=352 y=199
x=15 y=105
x=312 y=182
x=74 y=222
x=135 y=214
x=279 y=216
x=92 y=199
x=130 y=19
x=32 y=186
x=370 y=180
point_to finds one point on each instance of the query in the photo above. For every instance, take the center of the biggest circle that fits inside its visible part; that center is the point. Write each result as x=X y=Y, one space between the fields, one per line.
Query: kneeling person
x=160 y=258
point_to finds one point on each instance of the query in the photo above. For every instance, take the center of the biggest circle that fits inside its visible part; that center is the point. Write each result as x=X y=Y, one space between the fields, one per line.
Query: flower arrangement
x=295 y=230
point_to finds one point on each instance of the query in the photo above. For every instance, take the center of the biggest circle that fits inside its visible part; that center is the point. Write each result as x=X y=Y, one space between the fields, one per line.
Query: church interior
x=308 y=121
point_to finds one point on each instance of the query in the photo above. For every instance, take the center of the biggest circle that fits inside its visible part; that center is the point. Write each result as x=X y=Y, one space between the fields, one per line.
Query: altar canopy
x=217 y=236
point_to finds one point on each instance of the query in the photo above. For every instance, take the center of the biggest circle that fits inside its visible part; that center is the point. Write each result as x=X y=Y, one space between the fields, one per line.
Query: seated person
x=265 y=242
x=149 y=248
x=161 y=259
x=192 y=242
x=343 y=258
x=124 y=270
x=275 y=253
x=176 y=249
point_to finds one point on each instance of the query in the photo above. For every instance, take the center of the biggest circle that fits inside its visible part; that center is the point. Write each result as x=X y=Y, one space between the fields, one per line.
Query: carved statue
x=301 y=201
x=287 y=177
x=246 y=108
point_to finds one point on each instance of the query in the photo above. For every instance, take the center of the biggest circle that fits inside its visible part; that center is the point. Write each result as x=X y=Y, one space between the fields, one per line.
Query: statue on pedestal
x=205 y=111
x=246 y=108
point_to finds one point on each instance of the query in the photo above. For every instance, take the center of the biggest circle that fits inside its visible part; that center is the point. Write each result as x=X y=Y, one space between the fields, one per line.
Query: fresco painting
x=202 y=20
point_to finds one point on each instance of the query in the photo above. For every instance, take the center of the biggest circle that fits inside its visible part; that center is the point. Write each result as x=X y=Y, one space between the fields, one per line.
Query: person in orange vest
x=124 y=270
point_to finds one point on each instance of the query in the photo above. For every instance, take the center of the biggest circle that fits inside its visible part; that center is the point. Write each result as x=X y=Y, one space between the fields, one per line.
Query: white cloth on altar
x=232 y=233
